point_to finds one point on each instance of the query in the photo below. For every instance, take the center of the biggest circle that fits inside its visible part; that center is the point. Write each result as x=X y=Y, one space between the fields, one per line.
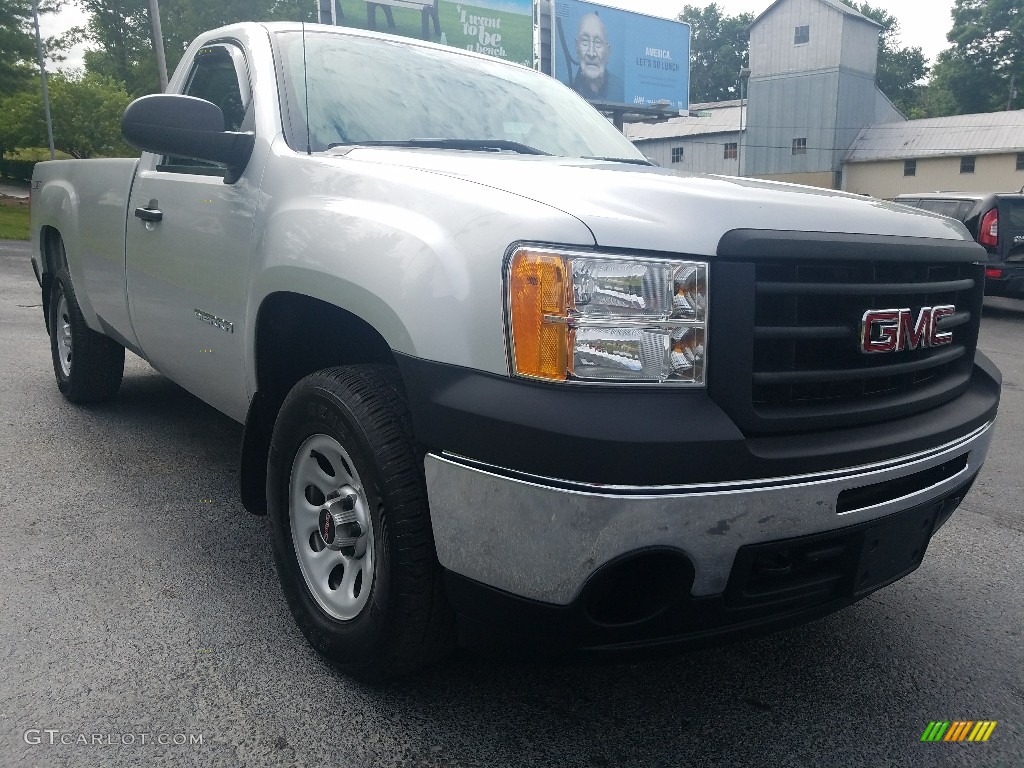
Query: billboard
x=501 y=28
x=612 y=56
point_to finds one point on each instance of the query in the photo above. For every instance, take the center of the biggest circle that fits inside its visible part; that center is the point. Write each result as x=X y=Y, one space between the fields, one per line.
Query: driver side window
x=219 y=75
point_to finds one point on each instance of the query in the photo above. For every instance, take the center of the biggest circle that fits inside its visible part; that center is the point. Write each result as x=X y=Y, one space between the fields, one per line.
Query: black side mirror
x=185 y=126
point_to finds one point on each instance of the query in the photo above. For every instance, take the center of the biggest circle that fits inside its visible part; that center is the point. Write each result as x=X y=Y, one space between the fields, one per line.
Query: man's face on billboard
x=592 y=49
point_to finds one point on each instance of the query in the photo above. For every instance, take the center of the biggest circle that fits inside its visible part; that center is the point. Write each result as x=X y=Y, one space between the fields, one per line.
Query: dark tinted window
x=967 y=164
x=962 y=209
x=955 y=209
x=802 y=35
x=1013 y=211
x=215 y=77
x=910 y=167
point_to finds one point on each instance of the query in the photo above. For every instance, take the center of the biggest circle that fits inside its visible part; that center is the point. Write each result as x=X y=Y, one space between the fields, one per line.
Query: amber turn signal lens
x=537 y=290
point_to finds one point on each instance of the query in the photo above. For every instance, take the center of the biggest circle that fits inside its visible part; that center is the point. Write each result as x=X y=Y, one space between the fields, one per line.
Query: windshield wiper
x=484 y=145
x=630 y=160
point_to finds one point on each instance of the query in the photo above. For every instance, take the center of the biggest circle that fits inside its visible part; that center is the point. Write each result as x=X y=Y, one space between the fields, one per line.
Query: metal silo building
x=811 y=90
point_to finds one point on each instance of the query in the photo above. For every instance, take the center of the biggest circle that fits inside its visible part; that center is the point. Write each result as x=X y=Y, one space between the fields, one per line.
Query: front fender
x=416 y=255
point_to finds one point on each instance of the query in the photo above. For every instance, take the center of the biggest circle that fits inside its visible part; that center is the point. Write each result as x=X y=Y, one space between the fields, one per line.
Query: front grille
x=807 y=331
x=787 y=332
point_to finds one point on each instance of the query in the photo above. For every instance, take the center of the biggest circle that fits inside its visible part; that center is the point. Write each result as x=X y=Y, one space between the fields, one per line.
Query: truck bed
x=94 y=244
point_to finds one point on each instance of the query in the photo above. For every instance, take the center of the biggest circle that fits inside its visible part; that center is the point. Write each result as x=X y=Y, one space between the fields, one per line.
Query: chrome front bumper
x=542 y=538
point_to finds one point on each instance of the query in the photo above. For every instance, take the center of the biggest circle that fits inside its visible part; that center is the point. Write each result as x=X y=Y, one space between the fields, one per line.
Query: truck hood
x=644 y=207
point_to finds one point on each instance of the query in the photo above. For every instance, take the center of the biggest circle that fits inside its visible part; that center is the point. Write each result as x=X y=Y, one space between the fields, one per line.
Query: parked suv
x=996 y=220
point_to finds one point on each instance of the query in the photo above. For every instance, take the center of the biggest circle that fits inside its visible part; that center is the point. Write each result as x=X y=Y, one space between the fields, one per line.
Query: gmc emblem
x=894 y=330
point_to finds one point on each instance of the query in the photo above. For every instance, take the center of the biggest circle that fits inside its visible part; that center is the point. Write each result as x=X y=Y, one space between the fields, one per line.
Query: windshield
x=372 y=90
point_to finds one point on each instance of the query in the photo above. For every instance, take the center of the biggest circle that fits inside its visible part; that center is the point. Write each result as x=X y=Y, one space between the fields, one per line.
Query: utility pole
x=1013 y=92
x=42 y=77
x=744 y=79
x=158 y=43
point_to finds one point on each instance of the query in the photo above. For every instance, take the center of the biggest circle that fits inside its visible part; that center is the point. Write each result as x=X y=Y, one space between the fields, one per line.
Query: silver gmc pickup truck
x=502 y=380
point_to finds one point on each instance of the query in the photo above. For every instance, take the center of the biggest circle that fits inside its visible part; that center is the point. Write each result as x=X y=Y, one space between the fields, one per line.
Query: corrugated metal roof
x=724 y=118
x=839 y=6
x=978 y=134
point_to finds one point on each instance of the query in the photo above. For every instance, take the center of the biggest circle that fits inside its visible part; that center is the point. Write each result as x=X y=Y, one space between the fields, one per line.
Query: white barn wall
x=702 y=153
x=885 y=179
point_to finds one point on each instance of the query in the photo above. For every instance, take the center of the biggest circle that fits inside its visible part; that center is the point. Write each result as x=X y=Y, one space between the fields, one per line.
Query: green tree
x=900 y=70
x=86 y=112
x=983 y=71
x=719 y=48
x=955 y=87
x=121 y=32
x=184 y=20
x=17 y=46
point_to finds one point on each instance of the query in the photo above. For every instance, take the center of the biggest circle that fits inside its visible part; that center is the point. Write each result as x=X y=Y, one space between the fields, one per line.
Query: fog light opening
x=638 y=587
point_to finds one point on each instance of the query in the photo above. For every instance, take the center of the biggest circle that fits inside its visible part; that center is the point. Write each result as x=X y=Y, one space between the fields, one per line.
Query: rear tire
x=376 y=607
x=88 y=365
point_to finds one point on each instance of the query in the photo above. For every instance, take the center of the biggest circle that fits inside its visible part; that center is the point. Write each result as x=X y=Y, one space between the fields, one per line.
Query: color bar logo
x=958 y=730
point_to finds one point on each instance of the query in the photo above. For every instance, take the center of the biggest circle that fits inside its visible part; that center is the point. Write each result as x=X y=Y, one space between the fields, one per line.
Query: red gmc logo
x=894 y=330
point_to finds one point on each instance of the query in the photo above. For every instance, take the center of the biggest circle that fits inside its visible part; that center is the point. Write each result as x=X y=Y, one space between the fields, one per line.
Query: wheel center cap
x=339 y=520
x=328 y=530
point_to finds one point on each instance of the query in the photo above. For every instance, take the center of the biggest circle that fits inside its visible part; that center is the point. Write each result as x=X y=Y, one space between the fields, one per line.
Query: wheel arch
x=53 y=258
x=295 y=335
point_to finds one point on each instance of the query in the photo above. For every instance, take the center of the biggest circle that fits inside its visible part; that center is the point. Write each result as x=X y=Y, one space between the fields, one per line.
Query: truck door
x=188 y=248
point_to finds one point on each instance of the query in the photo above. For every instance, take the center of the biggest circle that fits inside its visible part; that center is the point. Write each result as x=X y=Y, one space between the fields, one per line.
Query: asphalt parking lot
x=141 y=606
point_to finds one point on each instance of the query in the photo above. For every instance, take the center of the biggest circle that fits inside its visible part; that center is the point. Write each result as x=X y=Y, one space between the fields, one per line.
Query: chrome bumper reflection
x=542 y=538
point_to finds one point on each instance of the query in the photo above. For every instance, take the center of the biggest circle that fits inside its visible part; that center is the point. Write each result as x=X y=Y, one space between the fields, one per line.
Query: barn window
x=910 y=167
x=730 y=151
x=677 y=154
x=967 y=164
x=802 y=35
x=800 y=146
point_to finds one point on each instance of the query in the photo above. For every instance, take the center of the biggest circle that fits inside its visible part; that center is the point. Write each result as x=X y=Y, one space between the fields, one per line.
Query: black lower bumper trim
x=772 y=585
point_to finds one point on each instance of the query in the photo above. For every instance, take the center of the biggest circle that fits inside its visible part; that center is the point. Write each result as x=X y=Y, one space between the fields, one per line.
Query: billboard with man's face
x=611 y=56
x=501 y=28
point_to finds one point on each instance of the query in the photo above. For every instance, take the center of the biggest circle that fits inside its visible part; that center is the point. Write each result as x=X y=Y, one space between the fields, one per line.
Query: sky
x=923 y=23
x=924 y=29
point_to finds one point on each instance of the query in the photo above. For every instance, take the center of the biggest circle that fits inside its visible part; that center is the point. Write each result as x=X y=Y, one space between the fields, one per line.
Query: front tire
x=351 y=528
x=88 y=365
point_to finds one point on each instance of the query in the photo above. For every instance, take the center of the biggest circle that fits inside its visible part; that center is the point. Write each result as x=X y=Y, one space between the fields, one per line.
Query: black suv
x=994 y=219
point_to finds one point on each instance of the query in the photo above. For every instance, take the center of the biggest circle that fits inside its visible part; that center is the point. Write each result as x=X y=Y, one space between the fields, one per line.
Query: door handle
x=149 y=214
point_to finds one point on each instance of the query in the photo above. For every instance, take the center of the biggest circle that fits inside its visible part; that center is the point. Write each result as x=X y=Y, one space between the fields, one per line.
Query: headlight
x=581 y=317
